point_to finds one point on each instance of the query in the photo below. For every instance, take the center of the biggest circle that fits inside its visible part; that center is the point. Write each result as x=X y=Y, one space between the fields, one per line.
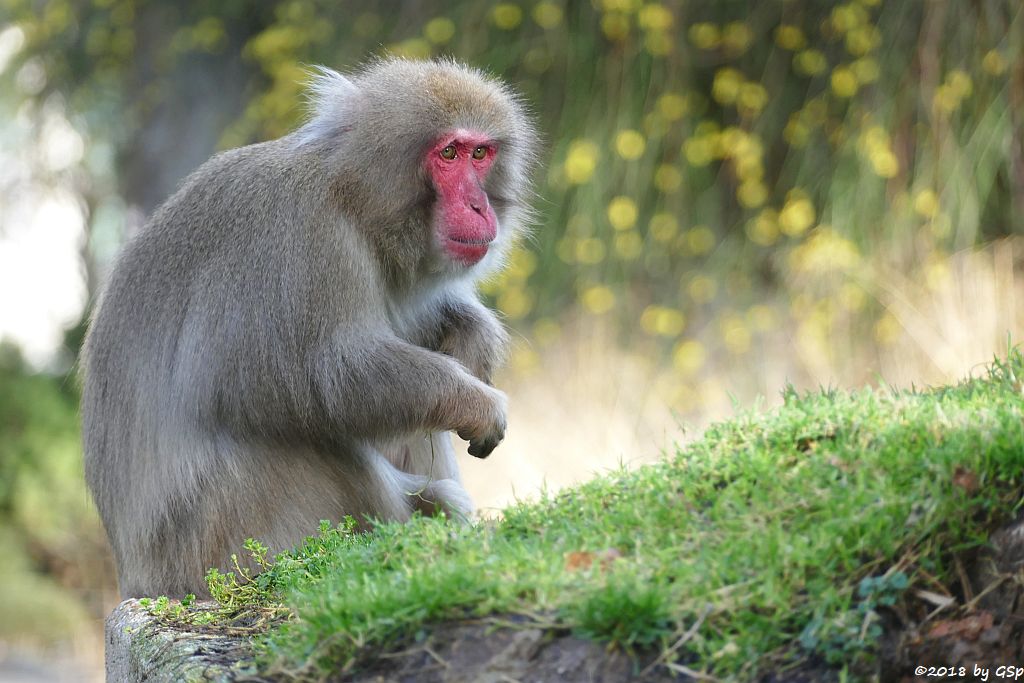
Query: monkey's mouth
x=463 y=240
x=467 y=251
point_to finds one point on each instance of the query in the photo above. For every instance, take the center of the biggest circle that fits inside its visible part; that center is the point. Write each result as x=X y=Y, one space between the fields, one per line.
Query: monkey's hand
x=488 y=428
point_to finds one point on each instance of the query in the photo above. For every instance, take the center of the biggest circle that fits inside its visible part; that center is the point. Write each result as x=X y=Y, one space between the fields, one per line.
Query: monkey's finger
x=481 y=449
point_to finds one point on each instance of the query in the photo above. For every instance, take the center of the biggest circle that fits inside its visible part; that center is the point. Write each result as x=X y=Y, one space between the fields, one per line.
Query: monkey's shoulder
x=265 y=170
x=242 y=196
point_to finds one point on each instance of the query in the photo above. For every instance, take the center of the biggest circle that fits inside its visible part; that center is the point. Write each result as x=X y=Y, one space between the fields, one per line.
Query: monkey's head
x=432 y=159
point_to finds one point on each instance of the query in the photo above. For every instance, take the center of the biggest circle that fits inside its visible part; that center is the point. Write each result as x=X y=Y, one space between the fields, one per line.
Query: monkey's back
x=183 y=356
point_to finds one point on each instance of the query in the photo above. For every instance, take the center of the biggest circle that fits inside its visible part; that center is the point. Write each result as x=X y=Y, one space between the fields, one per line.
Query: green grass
x=775 y=537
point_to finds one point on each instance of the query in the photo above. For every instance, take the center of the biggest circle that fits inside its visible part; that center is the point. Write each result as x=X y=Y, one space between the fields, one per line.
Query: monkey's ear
x=331 y=101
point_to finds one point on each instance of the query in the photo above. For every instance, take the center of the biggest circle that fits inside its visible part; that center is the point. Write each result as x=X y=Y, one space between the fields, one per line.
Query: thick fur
x=282 y=343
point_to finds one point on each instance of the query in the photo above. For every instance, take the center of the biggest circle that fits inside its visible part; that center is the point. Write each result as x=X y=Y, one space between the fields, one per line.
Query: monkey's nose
x=478 y=207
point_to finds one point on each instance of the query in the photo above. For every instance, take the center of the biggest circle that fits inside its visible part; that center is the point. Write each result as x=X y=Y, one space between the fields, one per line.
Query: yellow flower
x=581 y=161
x=852 y=297
x=844 y=82
x=735 y=334
x=662 y=321
x=826 y=251
x=993 y=63
x=887 y=330
x=926 y=203
x=884 y=163
x=810 y=62
x=731 y=140
x=622 y=213
x=629 y=245
x=737 y=37
x=701 y=289
x=655 y=17
x=764 y=228
x=414 y=48
x=546 y=331
x=848 y=17
x=865 y=69
x=589 y=251
x=630 y=144
x=789 y=37
x=672 y=106
x=439 y=30
x=658 y=43
x=705 y=36
x=699 y=151
x=726 y=86
x=752 y=193
x=796 y=132
x=749 y=168
x=667 y=178
x=752 y=98
x=515 y=303
x=547 y=14
x=936 y=274
x=874 y=143
x=598 y=299
x=506 y=16
x=689 y=357
x=524 y=359
x=522 y=264
x=663 y=227
x=700 y=240
x=944 y=99
x=960 y=83
x=863 y=40
x=615 y=26
x=796 y=216
x=620 y=5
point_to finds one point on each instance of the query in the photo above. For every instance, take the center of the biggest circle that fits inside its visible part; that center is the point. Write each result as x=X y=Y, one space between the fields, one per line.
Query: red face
x=457 y=165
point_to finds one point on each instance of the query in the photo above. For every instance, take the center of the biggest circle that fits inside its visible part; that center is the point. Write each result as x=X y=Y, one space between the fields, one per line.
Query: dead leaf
x=582 y=560
x=578 y=560
x=965 y=479
x=968 y=628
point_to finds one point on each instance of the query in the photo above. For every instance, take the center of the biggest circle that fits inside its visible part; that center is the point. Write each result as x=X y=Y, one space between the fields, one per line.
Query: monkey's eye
x=449 y=152
x=479 y=153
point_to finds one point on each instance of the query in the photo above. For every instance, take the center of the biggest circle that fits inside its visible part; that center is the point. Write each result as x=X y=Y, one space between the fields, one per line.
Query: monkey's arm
x=383 y=386
x=472 y=334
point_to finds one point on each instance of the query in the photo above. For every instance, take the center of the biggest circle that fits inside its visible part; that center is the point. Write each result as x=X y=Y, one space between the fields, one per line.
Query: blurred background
x=734 y=196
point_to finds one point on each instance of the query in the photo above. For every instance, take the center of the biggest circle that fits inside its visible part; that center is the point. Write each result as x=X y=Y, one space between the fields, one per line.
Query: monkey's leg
x=432 y=472
x=275 y=495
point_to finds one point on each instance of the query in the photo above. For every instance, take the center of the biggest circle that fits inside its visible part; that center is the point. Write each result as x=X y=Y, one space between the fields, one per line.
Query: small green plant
x=240 y=588
x=178 y=611
x=852 y=635
x=625 y=609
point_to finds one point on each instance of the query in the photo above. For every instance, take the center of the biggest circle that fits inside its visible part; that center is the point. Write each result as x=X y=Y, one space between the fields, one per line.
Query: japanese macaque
x=295 y=332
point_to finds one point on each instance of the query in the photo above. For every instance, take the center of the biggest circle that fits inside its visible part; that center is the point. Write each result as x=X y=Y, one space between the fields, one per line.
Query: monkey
x=295 y=333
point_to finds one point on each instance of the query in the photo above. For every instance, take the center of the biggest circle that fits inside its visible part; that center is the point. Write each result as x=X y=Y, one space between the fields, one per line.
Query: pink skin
x=466 y=222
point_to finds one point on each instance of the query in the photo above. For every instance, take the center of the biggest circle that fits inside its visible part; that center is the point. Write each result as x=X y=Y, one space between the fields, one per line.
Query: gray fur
x=283 y=342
